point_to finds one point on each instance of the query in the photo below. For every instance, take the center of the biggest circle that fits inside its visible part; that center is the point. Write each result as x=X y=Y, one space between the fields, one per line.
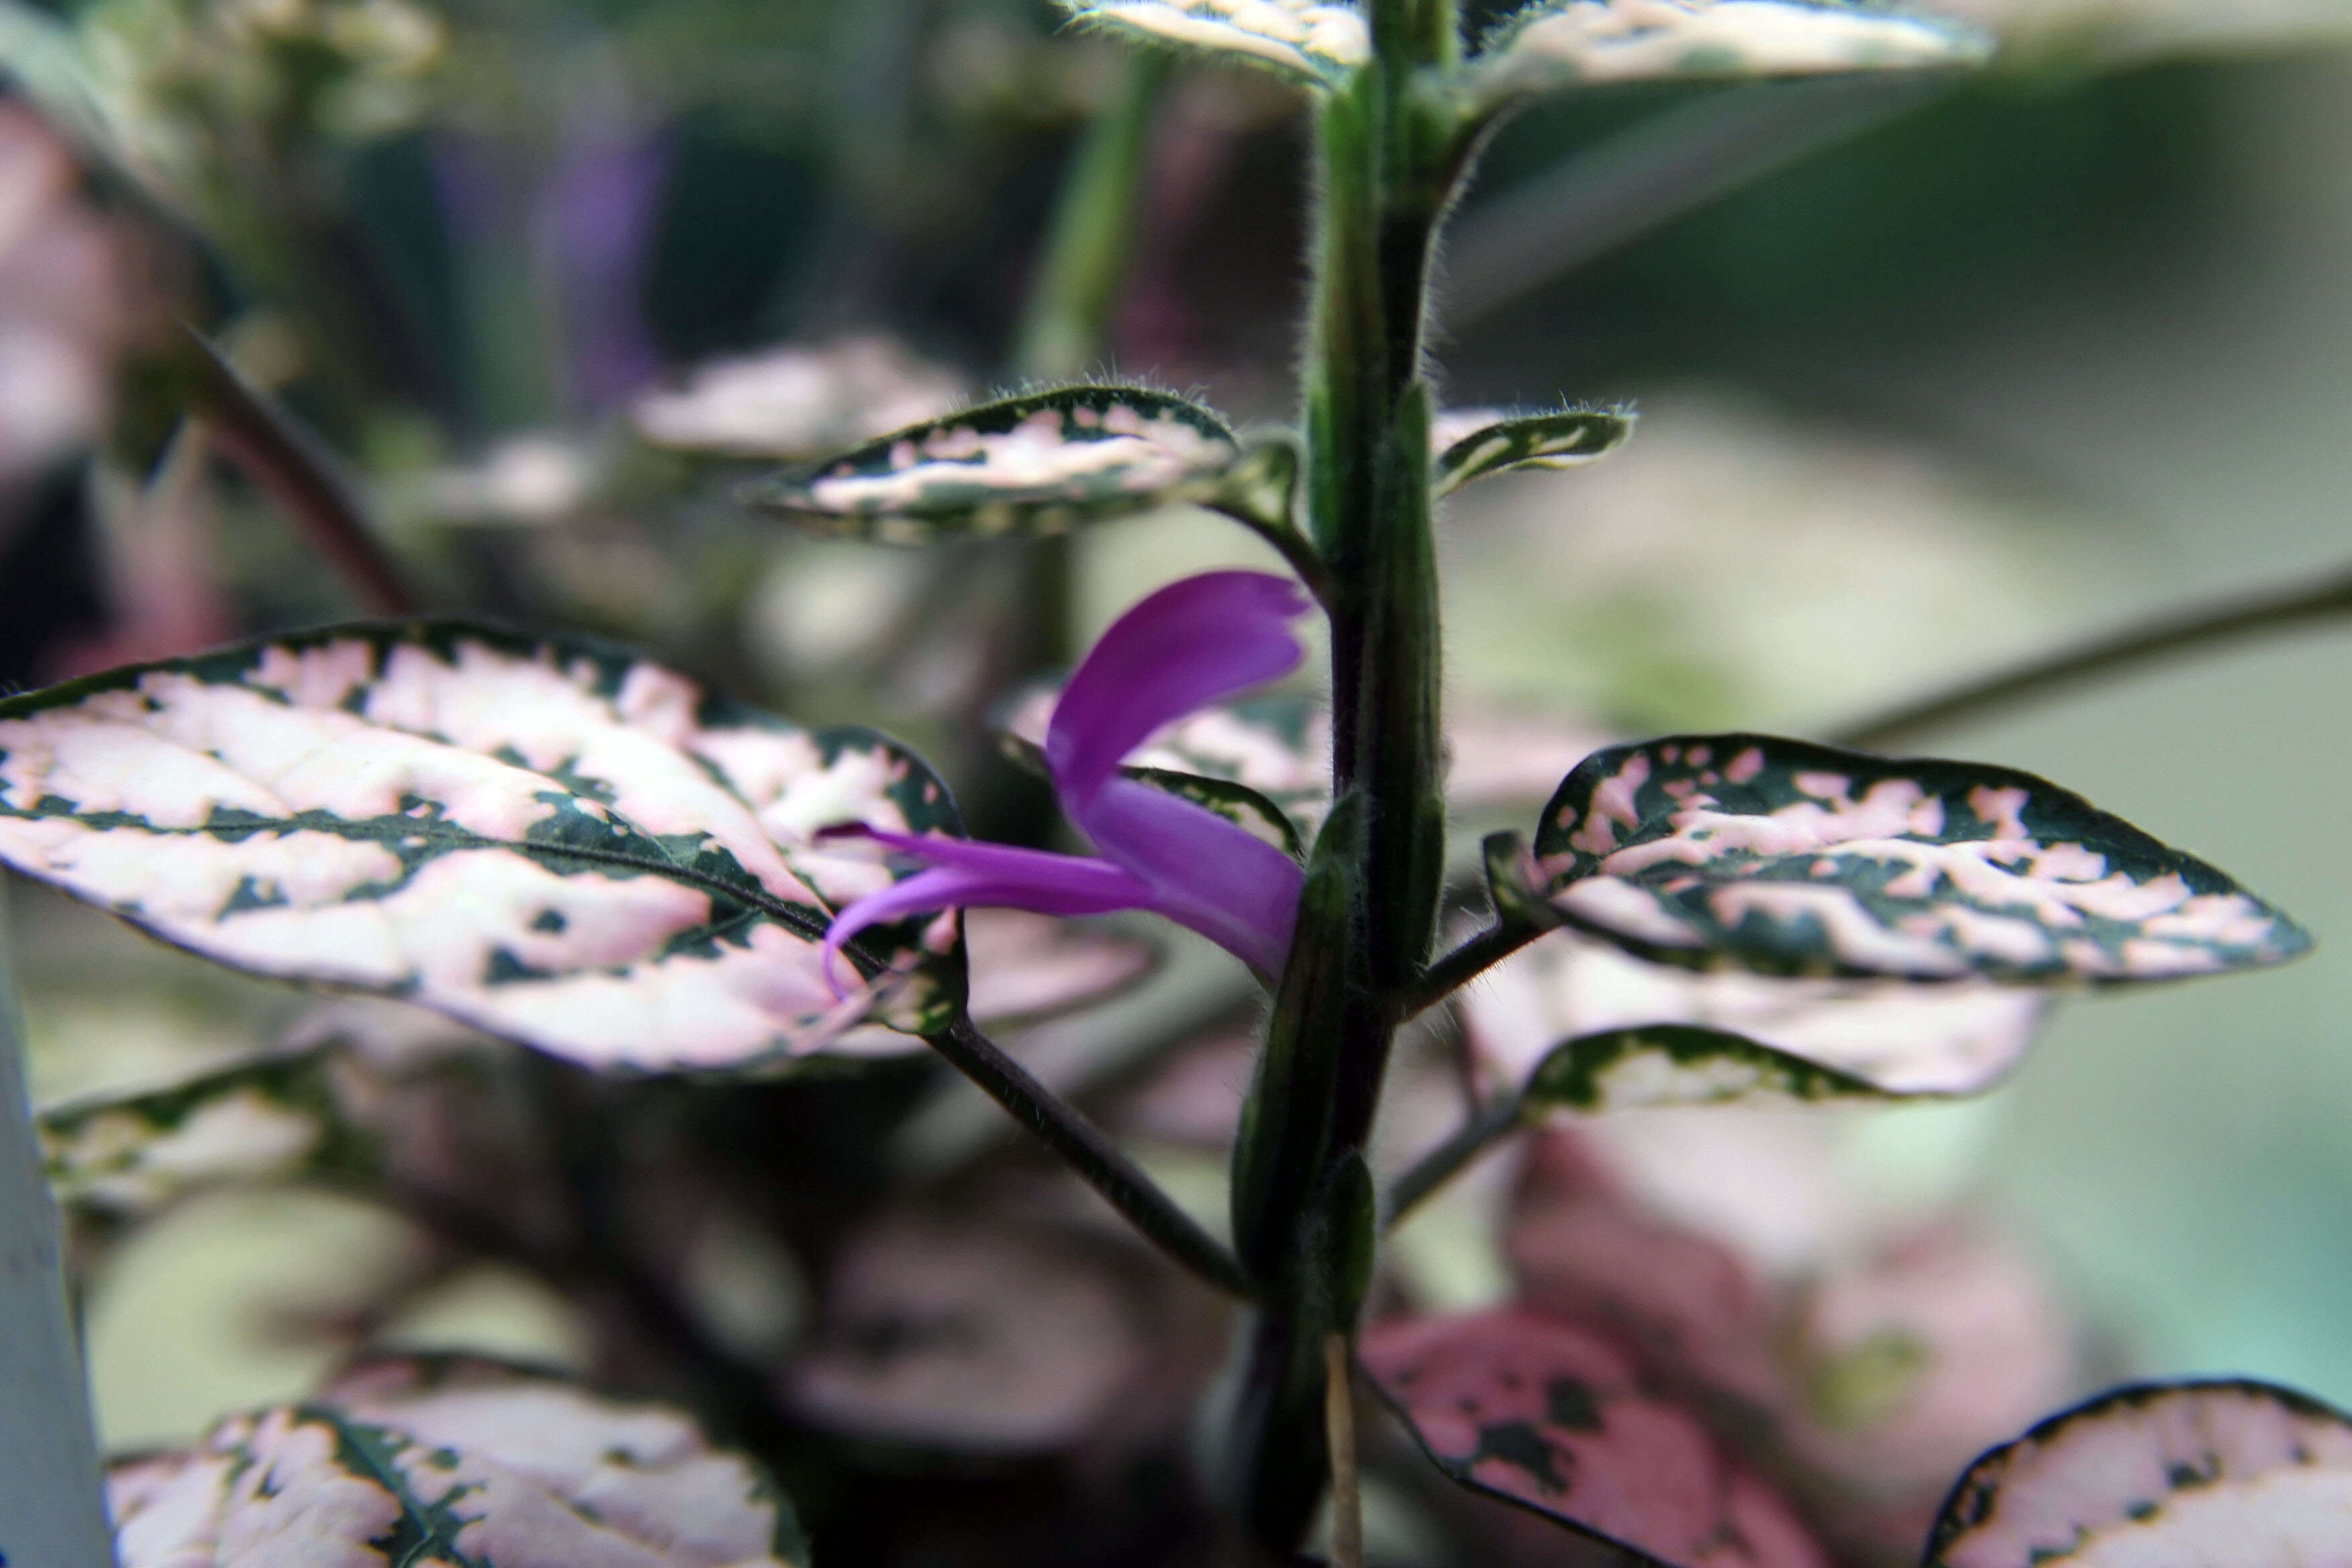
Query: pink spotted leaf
x=2161 y=1475
x=555 y=841
x=1790 y=859
x=1543 y=1413
x=1040 y=463
x=454 y=1461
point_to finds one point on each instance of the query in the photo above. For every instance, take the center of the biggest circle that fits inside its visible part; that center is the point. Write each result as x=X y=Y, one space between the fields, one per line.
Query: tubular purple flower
x=1192 y=643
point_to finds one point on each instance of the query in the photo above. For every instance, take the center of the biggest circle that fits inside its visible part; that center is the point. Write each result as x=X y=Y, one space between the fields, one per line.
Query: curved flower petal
x=1188 y=645
x=1208 y=874
x=996 y=876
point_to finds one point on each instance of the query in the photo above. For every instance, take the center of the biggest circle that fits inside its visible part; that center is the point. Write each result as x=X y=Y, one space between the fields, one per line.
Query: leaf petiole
x=1077 y=1141
x=1491 y=1123
x=1464 y=964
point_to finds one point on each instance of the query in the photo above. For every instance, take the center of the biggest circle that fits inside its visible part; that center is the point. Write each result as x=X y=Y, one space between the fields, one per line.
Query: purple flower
x=1191 y=644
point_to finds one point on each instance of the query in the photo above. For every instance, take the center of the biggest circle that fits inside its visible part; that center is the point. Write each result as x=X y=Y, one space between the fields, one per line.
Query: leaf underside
x=1040 y=463
x=1567 y=439
x=1311 y=43
x=1664 y=1035
x=1655 y=1065
x=456 y=1461
x=1790 y=859
x=555 y=841
x=2161 y=1475
x=1540 y=1413
x=1551 y=46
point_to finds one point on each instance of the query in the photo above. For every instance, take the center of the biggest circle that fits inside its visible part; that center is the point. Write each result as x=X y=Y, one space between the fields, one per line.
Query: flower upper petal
x=1185 y=647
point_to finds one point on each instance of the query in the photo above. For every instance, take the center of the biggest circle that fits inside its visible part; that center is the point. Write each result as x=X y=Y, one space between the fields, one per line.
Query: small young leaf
x=452 y=1461
x=1315 y=44
x=1791 y=859
x=1566 y=43
x=2163 y=1475
x=1040 y=463
x=1884 y=1037
x=1539 y=1413
x=1565 y=439
x=555 y=841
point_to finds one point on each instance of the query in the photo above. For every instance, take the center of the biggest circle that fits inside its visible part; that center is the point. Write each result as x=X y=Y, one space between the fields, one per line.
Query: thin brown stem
x=2178 y=632
x=1462 y=965
x=288 y=465
x=1077 y=1141
x=1491 y=1124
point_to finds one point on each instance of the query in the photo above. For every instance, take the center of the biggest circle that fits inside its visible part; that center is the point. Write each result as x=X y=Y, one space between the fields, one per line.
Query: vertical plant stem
x=1388 y=162
x=1339 y=1432
x=52 y=1512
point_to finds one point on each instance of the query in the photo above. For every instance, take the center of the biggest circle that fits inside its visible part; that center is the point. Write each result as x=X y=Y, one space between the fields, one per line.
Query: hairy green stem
x=1110 y=1173
x=1388 y=162
x=1464 y=964
x=2176 y=632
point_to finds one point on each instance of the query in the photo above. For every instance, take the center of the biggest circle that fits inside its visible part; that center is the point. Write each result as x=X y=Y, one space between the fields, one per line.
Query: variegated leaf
x=1863 y=1360
x=1313 y=44
x=1791 y=859
x=2161 y=1475
x=1568 y=439
x=556 y=842
x=1568 y=43
x=1652 y=1065
x=459 y=1462
x=271 y=1119
x=1542 y=1414
x=797 y=401
x=1633 y=1020
x=1040 y=463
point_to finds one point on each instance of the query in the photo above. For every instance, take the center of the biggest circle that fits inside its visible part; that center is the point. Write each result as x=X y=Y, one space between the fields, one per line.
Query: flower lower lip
x=1195 y=642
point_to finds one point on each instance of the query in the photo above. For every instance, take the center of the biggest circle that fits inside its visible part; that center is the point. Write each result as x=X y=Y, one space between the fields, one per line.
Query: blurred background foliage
x=1933 y=375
